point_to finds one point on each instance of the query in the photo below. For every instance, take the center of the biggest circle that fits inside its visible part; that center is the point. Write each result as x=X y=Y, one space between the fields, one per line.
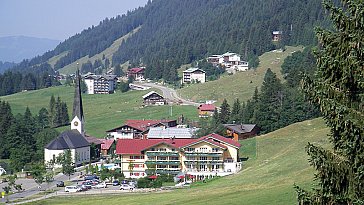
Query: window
x=162 y=158
x=203 y=158
x=136 y=157
x=174 y=167
x=162 y=149
x=215 y=149
x=136 y=174
x=173 y=158
x=203 y=149
x=215 y=158
x=190 y=149
x=152 y=149
x=190 y=158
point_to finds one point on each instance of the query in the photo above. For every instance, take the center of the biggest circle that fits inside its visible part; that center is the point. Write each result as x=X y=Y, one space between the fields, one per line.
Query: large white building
x=74 y=139
x=100 y=84
x=194 y=75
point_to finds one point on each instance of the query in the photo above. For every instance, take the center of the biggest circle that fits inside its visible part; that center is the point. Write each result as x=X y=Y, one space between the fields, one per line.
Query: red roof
x=222 y=138
x=106 y=144
x=207 y=107
x=136 y=146
x=136 y=70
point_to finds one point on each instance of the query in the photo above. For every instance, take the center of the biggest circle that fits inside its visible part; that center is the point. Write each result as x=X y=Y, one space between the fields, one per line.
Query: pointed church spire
x=78 y=118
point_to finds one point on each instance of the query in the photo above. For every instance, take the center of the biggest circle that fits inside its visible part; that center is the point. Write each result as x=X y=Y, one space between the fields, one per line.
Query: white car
x=101 y=185
x=72 y=189
x=126 y=187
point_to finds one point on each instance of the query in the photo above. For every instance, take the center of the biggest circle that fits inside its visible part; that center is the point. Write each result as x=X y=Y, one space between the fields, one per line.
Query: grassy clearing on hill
x=108 y=52
x=102 y=112
x=240 y=85
x=277 y=161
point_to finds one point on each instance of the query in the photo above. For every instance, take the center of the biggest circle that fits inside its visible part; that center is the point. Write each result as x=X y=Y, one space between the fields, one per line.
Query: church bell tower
x=77 y=122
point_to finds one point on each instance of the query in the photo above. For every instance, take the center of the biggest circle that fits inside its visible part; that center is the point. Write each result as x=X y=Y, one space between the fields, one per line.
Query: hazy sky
x=58 y=19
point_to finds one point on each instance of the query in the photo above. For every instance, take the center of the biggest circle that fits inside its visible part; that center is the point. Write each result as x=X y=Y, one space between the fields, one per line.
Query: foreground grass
x=277 y=161
x=102 y=112
x=240 y=85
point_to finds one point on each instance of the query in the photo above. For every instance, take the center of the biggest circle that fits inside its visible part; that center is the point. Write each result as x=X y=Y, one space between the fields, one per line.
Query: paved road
x=31 y=188
x=171 y=94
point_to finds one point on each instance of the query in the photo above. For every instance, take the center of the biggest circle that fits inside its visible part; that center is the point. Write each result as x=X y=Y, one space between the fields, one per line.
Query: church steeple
x=78 y=118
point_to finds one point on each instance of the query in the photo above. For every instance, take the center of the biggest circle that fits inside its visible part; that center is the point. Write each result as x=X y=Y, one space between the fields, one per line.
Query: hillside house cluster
x=100 y=84
x=194 y=75
x=212 y=155
x=231 y=61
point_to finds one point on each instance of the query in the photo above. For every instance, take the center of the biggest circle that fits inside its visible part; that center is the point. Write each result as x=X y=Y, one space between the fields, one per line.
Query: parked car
x=100 y=185
x=60 y=184
x=82 y=187
x=90 y=177
x=115 y=183
x=72 y=189
x=124 y=181
x=126 y=187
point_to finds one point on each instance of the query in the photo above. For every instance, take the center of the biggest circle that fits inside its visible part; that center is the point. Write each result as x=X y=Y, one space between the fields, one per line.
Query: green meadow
x=276 y=162
x=102 y=112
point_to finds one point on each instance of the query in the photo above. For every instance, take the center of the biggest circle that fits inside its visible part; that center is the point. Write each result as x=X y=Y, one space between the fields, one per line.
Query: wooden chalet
x=153 y=98
x=241 y=131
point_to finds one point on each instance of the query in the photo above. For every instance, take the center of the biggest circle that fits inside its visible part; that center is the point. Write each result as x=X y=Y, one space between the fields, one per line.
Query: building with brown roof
x=241 y=131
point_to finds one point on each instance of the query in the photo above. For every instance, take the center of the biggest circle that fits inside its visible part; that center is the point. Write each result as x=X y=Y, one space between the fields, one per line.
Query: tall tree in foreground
x=338 y=89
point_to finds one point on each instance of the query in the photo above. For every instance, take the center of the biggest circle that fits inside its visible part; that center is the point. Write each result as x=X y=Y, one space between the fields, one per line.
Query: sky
x=58 y=19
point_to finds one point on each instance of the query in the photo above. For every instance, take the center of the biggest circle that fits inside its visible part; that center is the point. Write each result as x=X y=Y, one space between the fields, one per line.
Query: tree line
x=24 y=136
x=14 y=81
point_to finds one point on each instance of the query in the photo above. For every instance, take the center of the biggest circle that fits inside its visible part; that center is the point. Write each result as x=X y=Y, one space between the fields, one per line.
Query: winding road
x=171 y=94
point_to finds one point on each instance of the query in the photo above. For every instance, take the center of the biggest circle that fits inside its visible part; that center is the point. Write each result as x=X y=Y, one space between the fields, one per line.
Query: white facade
x=121 y=135
x=2 y=171
x=79 y=155
x=194 y=75
x=100 y=84
x=76 y=124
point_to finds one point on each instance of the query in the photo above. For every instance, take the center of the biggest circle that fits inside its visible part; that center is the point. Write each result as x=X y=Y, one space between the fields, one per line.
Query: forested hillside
x=177 y=32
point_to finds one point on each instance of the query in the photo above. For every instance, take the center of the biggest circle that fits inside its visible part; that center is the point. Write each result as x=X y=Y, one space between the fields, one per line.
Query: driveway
x=171 y=94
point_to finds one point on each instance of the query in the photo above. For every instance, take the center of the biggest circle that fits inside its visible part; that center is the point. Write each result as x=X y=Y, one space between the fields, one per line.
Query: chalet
x=106 y=147
x=212 y=155
x=194 y=75
x=206 y=110
x=100 y=84
x=153 y=98
x=136 y=73
x=241 y=131
x=74 y=139
x=138 y=129
x=277 y=36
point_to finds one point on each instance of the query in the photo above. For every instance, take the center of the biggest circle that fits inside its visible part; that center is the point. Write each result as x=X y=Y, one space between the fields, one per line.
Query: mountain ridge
x=17 y=48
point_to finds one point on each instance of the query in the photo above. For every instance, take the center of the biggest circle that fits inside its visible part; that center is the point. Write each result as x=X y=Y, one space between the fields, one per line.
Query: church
x=74 y=139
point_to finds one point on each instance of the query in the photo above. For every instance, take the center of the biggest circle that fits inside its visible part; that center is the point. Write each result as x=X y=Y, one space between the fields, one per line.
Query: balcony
x=203 y=154
x=162 y=154
x=163 y=162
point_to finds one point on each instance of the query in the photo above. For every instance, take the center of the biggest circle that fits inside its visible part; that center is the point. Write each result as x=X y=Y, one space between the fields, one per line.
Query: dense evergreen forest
x=23 y=136
x=174 y=32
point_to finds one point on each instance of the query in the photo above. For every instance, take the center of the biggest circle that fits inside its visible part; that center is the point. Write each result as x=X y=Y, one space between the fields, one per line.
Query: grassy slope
x=240 y=85
x=102 y=112
x=277 y=161
x=107 y=52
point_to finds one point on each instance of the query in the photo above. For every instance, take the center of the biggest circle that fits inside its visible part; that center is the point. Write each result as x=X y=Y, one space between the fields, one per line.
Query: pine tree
x=224 y=112
x=235 y=112
x=52 y=110
x=338 y=89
